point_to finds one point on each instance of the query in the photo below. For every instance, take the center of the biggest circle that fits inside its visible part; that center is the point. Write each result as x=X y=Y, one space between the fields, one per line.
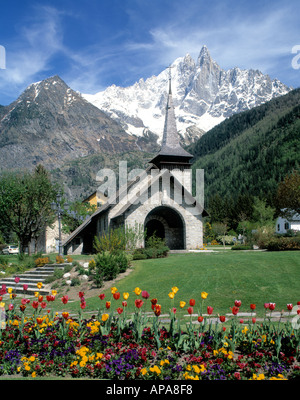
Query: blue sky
x=93 y=44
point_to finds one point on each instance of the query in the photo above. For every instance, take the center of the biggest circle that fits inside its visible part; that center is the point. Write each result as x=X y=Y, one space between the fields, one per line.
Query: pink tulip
x=17 y=279
x=25 y=287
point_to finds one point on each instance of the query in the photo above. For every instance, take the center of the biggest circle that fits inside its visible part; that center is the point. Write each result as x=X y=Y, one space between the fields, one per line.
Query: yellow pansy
x=144 y=371
x=33 y=374
x=155 y=369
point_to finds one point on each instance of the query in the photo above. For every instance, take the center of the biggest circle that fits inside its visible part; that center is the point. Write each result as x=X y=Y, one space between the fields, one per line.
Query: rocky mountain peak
x=204 y=95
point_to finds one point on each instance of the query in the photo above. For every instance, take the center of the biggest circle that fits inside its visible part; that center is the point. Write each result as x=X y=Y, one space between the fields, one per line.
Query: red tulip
x=192 y=302
x=119 y=310
x=241 y=321
x=210 y=310
x=107 y=304
x=65 y=299
x=289 y=306
x=81 y=294
x=43 y=304
x=145 y=294
x=272 y=306
x=253 y=320
x=138 y=303
x=153 y=301
x=157 y=309
x=35 y=304
x=222 y=318
x=234 y=310
x=200 y=318
x=266 y=305
x=124 y=303
x=101 y=296
x=83 y=305
x=238 y=303
x=116 y=295
x=190 y=310
x=10 y=307
x=252 y=306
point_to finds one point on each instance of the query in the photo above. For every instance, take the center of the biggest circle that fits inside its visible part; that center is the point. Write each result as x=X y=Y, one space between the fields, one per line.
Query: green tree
x=77 y=213
x=288 y=193
x=25 y=200
x=263 y=214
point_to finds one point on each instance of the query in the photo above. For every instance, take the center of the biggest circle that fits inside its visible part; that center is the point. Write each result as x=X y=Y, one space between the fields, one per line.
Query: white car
x=11 y=250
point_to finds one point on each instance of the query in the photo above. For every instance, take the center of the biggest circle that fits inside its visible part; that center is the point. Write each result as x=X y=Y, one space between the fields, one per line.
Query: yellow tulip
x=204 y=295
x=113 y=290
x=9 y=290
x=104 y=317
x=137 y=291
x=39 y=285
x=175 y=289
x=54 y=292
x=171 y=295
x=2 y=305
x=125 y=295
x=182 y=304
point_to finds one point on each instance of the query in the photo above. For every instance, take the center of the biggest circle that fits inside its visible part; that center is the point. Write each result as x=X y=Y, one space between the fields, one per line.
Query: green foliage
x=155 y=248
x=288 y=193
x=251 y=152
x=284 y=243
x=122 y=238
x=25 y=203
x=78 y=213
x=241 y=247
x=107 y=266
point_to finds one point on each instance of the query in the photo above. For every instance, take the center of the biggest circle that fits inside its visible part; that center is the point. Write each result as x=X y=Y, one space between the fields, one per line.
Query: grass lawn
x=249 y=276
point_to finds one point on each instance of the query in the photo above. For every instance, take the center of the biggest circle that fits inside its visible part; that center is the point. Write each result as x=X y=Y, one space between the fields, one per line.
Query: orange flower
x=65 y=315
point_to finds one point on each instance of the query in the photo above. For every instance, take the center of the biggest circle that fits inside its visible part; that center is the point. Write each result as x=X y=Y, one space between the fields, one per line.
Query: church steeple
x=172 y=154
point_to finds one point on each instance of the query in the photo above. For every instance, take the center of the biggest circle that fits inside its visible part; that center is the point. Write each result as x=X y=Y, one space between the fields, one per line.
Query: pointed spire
x=171 y=146
x=171 y=140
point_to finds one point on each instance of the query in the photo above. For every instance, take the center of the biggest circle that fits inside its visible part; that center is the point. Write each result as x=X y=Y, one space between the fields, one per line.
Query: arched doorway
x=168 y=224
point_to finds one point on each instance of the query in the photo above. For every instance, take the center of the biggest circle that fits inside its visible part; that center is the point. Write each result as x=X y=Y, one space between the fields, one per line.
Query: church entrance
x=166 y=223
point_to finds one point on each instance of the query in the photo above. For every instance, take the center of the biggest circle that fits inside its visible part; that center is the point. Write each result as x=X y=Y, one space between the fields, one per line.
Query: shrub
x=75 y=282
x=241 y=247
x=41 y=261
x=59 y=260
x=284 y=243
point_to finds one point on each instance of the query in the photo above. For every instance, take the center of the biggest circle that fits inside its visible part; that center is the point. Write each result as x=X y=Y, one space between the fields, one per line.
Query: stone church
x=158 y=199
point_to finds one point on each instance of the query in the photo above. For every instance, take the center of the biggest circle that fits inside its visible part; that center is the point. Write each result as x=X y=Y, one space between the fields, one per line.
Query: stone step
x=31 y=278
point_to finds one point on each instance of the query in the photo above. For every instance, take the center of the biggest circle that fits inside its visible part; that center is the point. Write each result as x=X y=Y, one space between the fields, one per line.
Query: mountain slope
x=50 y=124
x=203 y=93
x=252 y=151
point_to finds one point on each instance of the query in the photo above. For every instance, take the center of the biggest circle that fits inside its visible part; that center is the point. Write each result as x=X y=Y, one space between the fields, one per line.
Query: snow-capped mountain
x=203 y=94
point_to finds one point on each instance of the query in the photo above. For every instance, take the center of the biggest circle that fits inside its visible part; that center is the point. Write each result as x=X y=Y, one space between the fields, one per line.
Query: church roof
x=171 y=141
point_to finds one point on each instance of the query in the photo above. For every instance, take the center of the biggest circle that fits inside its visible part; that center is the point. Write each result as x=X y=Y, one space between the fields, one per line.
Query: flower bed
x=117 y=345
